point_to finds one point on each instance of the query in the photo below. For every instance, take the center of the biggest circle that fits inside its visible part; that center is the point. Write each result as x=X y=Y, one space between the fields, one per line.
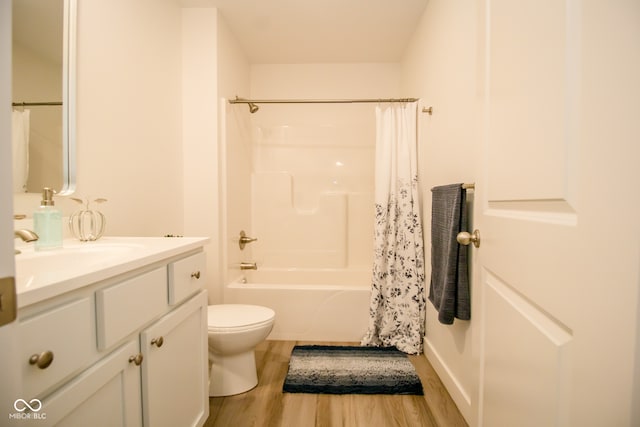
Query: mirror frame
x=69 y=97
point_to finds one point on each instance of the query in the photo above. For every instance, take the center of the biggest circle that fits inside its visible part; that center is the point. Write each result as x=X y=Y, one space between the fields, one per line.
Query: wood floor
x=267 y=405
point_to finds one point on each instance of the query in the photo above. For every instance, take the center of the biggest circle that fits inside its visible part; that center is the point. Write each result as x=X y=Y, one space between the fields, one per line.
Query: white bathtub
x=310 y=305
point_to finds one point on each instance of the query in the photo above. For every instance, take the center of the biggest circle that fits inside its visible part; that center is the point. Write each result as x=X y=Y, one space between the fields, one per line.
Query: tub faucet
x=248 y=266
x=26 y=236
x=243 y=240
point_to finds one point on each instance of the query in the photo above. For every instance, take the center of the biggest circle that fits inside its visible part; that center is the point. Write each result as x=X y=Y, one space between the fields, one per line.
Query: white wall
x=440 y=67
x=201 y=155
x=325 y=81
x=235 y=166
x=129 y=114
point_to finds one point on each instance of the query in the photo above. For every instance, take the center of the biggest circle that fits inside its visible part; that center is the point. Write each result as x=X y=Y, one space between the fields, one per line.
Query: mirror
x=43 y=91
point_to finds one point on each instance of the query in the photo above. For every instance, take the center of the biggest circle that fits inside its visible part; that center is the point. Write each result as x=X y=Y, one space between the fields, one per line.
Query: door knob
x=157 y=341
x=464 y=238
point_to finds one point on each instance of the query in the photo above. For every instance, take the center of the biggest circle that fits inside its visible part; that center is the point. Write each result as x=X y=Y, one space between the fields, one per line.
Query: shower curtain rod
x=316 y=101
x=34 y=104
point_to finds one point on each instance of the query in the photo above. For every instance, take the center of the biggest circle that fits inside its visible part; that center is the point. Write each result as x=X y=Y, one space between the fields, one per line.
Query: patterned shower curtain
x=397 y=309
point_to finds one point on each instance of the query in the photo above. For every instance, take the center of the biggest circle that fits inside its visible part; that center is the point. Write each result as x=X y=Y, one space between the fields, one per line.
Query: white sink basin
x=88 y=256
x=44 y=274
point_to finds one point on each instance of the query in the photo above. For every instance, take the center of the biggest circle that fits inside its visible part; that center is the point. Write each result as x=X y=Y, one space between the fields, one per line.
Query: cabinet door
x=108 y=394
x=174 y=372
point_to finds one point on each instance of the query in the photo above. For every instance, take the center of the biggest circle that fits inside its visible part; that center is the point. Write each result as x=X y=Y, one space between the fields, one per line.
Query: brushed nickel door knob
x=464 y=238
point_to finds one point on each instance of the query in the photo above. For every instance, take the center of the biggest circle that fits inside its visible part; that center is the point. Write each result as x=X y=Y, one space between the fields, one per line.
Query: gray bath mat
x=350 y=370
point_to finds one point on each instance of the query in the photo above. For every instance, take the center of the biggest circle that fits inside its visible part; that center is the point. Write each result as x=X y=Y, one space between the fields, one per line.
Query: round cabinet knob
x=42 y=360
x=196 y=274
x=137 y=359
x=157 y=341
x=464 y=238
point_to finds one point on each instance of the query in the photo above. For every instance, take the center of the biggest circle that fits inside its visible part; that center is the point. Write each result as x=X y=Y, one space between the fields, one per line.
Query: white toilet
x=234 y=331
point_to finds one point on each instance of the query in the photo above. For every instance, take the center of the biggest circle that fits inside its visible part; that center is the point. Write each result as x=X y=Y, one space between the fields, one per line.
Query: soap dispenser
x=47 y=223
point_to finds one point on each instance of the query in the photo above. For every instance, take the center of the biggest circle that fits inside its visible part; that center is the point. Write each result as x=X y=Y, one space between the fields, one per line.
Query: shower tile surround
x=316 y=162
x=312 y=185
x=312 y=181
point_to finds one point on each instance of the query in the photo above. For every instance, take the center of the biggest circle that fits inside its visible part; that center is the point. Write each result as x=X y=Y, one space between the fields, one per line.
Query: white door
x=558 y=214
x=10 y=389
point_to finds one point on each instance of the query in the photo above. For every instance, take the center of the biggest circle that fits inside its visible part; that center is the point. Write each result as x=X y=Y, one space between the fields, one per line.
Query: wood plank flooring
x=266 y=405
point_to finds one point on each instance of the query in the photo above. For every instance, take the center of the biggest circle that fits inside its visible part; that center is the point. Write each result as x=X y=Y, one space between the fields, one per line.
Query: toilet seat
x=231 y=318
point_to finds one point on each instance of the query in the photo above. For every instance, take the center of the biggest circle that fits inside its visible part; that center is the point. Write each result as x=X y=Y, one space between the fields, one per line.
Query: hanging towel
x=20 y=142
x=449 y=289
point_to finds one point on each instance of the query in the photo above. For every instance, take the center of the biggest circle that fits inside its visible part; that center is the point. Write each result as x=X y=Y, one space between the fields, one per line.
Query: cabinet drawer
x=68 y=333
x=123 y=308
x=186 y=277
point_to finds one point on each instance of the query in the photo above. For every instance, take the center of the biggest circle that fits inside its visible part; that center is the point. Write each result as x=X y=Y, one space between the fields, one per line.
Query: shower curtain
x=397 y=308
x=20 y=140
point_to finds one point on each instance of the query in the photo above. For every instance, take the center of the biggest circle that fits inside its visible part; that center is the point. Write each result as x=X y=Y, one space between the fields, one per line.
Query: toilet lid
x=236 y=315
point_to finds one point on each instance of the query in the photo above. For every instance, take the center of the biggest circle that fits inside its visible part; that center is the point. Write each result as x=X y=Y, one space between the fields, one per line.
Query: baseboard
x=458 y=394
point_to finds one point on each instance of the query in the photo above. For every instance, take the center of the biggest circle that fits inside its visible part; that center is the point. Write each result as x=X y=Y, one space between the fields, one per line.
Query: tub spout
x=248 y=266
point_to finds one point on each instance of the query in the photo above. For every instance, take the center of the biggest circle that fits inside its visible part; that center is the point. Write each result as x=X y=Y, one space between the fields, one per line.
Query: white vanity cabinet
x=121 y=351
x=174 y=371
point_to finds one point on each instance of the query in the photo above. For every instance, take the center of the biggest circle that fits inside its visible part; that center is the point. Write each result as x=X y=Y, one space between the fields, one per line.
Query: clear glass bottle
x=47 y=223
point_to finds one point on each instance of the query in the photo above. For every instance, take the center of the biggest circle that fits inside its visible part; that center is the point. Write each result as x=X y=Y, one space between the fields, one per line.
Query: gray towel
x=449 y=289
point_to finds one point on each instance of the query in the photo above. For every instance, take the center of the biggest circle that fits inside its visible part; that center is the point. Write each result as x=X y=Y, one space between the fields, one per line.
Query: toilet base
x=232 y=374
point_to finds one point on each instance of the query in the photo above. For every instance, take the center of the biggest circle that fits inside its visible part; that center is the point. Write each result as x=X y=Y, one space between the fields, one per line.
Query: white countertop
x=45 y=274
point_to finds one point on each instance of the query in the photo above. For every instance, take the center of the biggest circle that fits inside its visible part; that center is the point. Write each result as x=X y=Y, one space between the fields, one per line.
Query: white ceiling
x=320 y=31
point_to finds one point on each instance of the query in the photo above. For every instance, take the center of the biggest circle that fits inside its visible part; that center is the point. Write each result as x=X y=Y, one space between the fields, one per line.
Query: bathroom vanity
x=114 y=333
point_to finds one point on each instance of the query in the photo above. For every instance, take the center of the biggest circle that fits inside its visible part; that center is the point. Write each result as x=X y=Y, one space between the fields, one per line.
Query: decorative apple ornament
x=87 y=224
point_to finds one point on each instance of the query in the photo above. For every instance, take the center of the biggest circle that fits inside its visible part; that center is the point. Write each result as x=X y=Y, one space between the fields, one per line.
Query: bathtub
x=310 y=304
